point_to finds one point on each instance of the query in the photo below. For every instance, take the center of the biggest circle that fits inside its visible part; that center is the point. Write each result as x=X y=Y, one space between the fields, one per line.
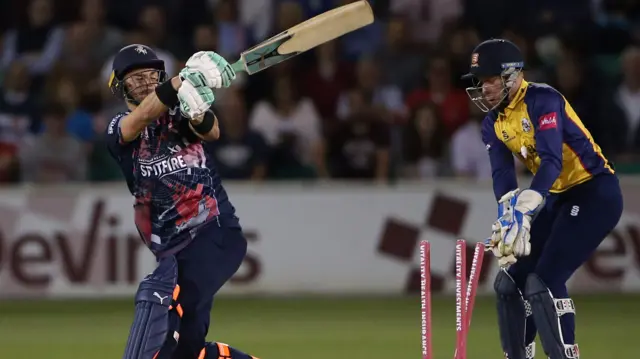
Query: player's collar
x=519 y=95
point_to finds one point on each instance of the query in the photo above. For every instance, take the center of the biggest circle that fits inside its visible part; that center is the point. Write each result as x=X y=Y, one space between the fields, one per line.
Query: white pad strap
x=572 y=351
x=564 y=306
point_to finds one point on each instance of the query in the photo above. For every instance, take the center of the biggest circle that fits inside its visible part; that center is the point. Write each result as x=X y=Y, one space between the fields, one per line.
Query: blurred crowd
x=381 y=103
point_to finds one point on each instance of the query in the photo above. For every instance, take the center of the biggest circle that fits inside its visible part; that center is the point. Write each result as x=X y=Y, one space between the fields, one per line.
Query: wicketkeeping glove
x=505 y=215
x=194 y=94
x=215 y=69
x=515 y=231
x=511 y=232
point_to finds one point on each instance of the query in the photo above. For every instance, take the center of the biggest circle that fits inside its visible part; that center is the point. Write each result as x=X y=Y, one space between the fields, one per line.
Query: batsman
x=182 y=211
x=545 y=232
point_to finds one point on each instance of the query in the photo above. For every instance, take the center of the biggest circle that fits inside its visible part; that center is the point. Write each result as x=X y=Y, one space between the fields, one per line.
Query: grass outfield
x=304 y=328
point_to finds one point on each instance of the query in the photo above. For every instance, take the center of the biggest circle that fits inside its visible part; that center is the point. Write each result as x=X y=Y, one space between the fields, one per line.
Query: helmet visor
x=138 y=84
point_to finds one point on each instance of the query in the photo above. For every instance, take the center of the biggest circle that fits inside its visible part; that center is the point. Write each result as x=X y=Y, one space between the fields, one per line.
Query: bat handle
x=238 y=66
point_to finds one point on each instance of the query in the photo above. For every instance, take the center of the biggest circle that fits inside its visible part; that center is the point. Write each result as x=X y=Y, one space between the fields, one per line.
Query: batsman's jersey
x=541 y=129
x=174 y=183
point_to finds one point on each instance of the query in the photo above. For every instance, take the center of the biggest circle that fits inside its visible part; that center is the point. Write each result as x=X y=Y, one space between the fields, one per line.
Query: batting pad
x=512 y=316
x=154 y=333
x=546 y=313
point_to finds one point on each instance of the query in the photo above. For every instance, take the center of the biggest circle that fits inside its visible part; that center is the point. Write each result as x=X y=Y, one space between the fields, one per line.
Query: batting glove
x=216 y=70
x=195 y=96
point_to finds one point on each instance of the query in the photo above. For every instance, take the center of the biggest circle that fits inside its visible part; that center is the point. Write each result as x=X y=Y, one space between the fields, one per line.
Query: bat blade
x=304 y=36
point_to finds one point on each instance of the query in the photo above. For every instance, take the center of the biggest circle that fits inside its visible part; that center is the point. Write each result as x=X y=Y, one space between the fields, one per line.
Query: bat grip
x=238 y=66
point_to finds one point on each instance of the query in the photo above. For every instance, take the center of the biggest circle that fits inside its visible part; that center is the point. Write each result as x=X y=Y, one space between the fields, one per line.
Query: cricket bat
x=304 y=36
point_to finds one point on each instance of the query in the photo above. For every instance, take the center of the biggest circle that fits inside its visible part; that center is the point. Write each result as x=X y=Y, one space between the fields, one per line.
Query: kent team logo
x=548 y=121
x=141 y=50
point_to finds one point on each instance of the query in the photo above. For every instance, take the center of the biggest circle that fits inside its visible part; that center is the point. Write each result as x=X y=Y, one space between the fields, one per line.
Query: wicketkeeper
x=545 y=232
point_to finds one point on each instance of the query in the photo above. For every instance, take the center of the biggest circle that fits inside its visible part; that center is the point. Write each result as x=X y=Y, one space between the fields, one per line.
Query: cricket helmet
x=130 y=58
x=491 y=58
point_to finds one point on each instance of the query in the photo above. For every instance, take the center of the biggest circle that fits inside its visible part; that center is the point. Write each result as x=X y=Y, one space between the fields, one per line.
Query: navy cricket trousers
x=204 y=266
x=565 y=234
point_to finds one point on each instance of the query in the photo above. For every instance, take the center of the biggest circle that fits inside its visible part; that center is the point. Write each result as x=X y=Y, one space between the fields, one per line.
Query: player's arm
x=503 y=169
x=154 y=105
x=548 y=114
x=210 y=132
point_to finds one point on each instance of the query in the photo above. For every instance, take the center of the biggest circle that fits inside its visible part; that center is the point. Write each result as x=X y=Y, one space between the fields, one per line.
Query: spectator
x=399 y=58
x=635 y=31
x=240 y=153
x=501 y=12
x=385 y=98
x=291 y=126
x=424 y=143
x=585 y=100
x=359 y=148
x=427 y=19
x=153 y=23
x=362 y=42
x=627 y=99
x=38 y=43
x=469 y=158
x=101 y=166
x=458 y=48
x=256 y=16
x=64 y=92
x=452 y=103
x=289 y=13
x=324 y=82
x=613 y=27
x=77 y=60
x=205 y=38
x=104 y=39
x=534 y=71
x=18 y=115
x=53 y=156
x=18 y=101
x=233 y=37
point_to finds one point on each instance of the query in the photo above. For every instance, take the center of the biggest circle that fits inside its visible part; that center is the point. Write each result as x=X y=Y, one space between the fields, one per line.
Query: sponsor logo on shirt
x=548 y=121
x=112 y=125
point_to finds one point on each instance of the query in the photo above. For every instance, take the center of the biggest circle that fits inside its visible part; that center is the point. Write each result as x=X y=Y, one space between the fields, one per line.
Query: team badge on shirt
x=526 y=127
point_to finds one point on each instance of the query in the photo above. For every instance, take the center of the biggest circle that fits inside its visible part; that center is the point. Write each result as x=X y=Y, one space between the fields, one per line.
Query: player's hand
x=195 y=96
x=515 y=229
x=215 y=69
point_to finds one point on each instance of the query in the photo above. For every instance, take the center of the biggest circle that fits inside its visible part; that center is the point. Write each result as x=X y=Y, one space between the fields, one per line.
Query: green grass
x=310 y=328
